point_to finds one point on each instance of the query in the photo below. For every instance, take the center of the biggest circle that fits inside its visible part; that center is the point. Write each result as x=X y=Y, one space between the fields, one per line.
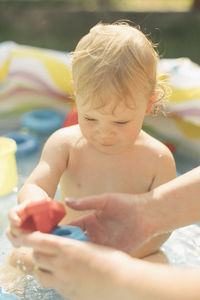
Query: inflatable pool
x=34 y=78
x=181 y=248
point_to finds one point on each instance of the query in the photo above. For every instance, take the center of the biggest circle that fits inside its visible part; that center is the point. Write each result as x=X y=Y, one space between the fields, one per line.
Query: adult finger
x=45 y=262
x=97 y=202
x=50 y=280
x=44 y=243
x=47 y=279
x=82 y=221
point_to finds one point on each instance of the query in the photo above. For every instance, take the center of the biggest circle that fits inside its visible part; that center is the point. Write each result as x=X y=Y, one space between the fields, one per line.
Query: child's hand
x=42 y=215
x=14 y=230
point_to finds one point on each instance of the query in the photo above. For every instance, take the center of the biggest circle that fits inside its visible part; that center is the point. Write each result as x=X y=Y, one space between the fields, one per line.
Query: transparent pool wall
x=181 y=249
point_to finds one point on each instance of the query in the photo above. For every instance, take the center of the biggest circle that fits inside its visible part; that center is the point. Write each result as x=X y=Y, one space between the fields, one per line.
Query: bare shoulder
x=64 y=137
x=162 y=160
x=155 y=146
x=59 y=144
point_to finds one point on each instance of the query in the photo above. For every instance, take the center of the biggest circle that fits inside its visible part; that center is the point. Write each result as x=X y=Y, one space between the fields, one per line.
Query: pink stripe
x=17 y=90
x=30 y=76
x=40 y=82
x=188 y=112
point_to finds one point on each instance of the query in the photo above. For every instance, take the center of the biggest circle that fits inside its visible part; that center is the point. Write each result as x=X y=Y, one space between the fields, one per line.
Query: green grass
x=154 y=5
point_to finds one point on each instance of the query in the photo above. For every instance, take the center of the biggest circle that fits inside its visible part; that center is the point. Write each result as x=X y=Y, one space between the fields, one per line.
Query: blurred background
x=35 y=88
x=172 y=24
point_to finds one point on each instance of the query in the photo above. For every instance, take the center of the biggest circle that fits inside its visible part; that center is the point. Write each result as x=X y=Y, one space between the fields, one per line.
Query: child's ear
x=151 y=102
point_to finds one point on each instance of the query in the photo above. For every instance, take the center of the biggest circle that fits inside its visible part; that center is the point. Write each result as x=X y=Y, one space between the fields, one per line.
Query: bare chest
x=89 y=174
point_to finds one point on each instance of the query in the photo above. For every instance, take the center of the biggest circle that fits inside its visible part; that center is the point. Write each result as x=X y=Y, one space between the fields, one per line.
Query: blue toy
x=26 y=143
x=6 y=296
x=43 y=121
x=71 y=232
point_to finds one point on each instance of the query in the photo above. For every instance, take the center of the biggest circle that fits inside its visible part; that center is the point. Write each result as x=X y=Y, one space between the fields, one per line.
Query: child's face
x=111 y=131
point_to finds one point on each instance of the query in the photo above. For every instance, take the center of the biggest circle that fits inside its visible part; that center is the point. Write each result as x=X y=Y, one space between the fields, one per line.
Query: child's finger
x=13 y=213
x=14 y=218
x=15 y=230
x=12 y=238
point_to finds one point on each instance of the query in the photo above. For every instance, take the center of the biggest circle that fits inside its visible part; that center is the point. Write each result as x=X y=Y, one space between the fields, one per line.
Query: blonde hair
x=115 y=61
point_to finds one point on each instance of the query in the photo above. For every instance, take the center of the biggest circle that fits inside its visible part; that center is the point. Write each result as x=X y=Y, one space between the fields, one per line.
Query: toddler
x=114 y=70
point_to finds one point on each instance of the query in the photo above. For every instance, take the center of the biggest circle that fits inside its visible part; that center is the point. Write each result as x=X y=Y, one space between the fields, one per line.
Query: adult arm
x=85 y=271
x=126 y=221
x=177 y=203
x=165 y=171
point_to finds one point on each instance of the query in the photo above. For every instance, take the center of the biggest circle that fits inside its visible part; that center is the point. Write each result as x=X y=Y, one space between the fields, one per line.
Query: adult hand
x=121 y=221
x=77 y=270
x=84 y=271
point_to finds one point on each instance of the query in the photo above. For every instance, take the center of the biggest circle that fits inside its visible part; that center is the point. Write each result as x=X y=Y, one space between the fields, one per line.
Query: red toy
x=171 y=146
x=72 y=118
x=42 y=215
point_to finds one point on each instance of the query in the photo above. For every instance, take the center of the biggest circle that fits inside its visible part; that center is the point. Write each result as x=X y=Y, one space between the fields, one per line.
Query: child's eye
x=121 y=123
x=90 y=119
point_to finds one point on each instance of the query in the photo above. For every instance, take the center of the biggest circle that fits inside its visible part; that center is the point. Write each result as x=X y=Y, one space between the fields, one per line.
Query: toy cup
x=8 y=168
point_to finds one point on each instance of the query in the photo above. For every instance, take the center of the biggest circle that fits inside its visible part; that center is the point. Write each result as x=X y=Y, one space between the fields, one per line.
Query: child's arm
x=45 y=177
x=165 y=171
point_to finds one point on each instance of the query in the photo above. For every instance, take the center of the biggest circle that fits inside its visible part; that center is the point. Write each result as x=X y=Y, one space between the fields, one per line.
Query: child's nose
x=105 y=131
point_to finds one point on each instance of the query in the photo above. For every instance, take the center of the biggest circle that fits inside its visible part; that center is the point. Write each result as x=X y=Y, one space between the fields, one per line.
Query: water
x=25 y=165
x=181 y=249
